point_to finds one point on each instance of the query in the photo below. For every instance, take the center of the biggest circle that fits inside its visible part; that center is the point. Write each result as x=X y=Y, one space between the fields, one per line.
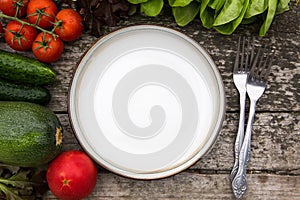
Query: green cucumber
x=30 y=134
x=15 y=92
x=18 y=68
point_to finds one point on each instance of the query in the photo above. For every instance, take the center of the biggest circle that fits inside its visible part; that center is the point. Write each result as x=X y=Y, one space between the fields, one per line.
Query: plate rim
x=197 y=156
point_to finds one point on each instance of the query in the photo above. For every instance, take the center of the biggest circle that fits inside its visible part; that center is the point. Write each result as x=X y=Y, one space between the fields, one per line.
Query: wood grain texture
x=194 y=186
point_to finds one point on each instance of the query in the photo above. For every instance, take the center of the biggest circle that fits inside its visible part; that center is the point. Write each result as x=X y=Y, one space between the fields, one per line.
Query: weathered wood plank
x=194 y=186
x=275 y=144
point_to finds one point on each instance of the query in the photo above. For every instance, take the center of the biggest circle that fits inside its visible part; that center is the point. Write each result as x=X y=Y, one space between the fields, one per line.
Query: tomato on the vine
x=69 y=25
x=19 y=37
x=42 y=12
x=46 y=48
x=72 y=175
x=9 y=7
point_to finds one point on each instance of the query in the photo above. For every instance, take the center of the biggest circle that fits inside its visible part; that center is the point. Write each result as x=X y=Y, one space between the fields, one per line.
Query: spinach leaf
x=230 y=27
x=282 y=6
x=186 y=14
x=217 y=4
x=206 y=14
x=232 y=9
x=137 y=1
x=256 y=7
x=272 y=5
x=181 y=3
x=152 y=7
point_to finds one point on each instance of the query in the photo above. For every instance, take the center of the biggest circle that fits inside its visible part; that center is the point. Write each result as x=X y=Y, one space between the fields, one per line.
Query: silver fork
x=256 y=85
x=242 y=65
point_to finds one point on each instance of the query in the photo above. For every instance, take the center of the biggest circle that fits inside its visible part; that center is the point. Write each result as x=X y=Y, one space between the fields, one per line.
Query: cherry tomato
x=72 y=175
x=69 y=25
x=42 y=13
x=9 y=7
x=46 y=48
x=19 y=37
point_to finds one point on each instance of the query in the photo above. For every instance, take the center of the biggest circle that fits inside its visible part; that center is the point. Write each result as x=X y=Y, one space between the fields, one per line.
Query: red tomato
x=46 y=48
x=8 y=7
x=19 y=37
x=69 y=25
x=42 y=13
x=72 y=175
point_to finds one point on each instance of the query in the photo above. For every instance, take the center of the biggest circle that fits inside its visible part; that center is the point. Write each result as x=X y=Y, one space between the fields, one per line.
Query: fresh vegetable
x=72 y=175
x=42 y=13
x=15 y=92
x=224 y=16
x=69 y=26
x=30 y=134
x=14 y=7
x=18 y=183
x=23 y=69
x=98 y=13
x=19 y=37
x=46 y=48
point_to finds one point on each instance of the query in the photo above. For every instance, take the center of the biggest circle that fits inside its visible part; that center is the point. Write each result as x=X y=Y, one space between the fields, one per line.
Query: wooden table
x=274 y=168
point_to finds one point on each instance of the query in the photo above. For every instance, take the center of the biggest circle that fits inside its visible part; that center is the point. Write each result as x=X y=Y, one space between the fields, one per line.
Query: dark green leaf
x=181 y=3
x=229 y=28
x=282 y=6
x=206 y=14
x=184 y=15
x=256 y=7
x=152 y=7
x=232 y=10
x=272 y=5
x=10 y=193
x=217 y=4
x=137 y=1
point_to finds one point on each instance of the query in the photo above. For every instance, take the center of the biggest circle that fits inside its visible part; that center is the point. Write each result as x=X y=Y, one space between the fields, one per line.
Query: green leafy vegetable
x=206 y=14
x=184 y=15
x=231 y=10
x=229 y=28
x=272 y=5
x=222 y=15
x=152 y=7
x=256 y=7
x=17 y=183
x=181 y=3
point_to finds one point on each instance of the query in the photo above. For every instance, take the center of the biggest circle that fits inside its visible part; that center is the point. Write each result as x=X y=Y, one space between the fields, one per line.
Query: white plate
x=146 y=102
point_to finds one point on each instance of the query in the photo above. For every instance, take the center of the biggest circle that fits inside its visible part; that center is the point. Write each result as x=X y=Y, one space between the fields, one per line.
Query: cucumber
x=15 y=92
x=18 y=68
x=30 y=134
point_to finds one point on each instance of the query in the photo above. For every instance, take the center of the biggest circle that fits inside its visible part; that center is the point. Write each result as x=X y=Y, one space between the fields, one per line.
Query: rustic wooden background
x=274 y=169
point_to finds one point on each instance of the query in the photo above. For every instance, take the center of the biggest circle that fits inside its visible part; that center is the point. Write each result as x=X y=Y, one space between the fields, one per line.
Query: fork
x=242 y=65
x=256 y=85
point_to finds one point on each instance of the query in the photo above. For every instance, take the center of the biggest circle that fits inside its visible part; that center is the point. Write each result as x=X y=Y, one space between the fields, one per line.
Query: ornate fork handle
x=240 y=134
x=239 y=183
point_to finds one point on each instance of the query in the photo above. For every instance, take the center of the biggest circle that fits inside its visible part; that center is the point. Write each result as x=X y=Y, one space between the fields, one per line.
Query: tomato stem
x=29 y=24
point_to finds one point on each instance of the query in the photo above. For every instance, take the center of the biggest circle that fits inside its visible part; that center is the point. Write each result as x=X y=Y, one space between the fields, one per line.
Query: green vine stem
x=2 y=15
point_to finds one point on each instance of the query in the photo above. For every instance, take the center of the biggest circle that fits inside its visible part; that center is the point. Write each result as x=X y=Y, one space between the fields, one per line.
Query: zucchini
x=18 y=68
x=15 y=92
x=30 y=134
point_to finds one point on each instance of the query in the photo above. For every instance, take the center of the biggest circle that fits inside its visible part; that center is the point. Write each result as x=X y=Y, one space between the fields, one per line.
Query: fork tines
x=261 y=65
x=245 y=54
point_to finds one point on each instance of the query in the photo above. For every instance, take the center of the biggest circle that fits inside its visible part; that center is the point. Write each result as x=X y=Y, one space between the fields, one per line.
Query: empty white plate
x=146 y=102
